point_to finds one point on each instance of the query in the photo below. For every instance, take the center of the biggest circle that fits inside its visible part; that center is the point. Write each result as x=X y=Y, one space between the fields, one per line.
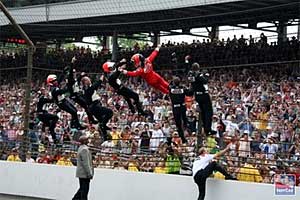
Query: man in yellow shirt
x=160 y=169
x=249 y=173
x=65 y=160
x=14 y=156
x=115 y=135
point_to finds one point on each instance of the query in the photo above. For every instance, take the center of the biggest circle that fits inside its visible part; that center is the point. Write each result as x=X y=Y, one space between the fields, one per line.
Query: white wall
x=55 y=182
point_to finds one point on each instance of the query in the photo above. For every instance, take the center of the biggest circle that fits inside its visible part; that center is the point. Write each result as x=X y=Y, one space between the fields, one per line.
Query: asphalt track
x=11 y=197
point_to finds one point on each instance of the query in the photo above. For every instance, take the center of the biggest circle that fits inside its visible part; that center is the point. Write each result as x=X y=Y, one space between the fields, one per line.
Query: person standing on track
x=145 y=70
x=84 y=169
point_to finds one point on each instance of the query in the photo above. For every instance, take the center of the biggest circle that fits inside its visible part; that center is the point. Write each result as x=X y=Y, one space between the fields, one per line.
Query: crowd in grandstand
x=255 y=108
x=208 y=53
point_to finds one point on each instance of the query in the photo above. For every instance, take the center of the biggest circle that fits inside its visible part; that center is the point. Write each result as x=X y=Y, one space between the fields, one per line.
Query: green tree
x=129 y=43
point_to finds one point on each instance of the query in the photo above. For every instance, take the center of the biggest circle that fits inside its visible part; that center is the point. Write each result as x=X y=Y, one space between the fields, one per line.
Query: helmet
x=51 y=78
x=138 y=59
x=108 y=66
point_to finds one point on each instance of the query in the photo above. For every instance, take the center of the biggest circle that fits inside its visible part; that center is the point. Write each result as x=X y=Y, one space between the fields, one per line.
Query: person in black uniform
x=48 y=119
x=102 y=114
x=199 y=83
x=58 y=96
x=76 y=93
x=177 y=95
x=112 y=69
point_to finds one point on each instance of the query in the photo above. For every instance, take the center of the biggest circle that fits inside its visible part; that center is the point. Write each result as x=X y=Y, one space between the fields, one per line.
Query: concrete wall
x=55 y=182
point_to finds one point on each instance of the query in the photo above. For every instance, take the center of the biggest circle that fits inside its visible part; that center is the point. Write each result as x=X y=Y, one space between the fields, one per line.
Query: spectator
x=157 y=138
x=117 y=166
x=65 y=160
x=133 y=165
x=29 y=158
x=44 y=158
x=255 y=142
x=249 y=173
x=246 y=125
x=160 y=168
x=244 y=146
x=269 y=148
x=173 y=163
x=211 y=143
x=115 y=135
x=145 y=138
x=14 y=156
x=126 y=140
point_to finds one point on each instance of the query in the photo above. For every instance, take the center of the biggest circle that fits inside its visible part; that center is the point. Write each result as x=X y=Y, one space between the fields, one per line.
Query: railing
x=172 y=159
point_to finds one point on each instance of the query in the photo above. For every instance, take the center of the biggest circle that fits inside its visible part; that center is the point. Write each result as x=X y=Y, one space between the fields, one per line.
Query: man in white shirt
x=157 y=138
x=203 y=167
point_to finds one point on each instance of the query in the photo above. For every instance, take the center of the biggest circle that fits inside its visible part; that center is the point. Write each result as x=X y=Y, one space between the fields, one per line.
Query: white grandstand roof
x=98 y=8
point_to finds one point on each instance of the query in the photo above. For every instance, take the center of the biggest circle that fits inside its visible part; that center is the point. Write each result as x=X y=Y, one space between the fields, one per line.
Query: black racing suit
x=48 y=119
x=199 y=82
x=59 y=98
x=102 y=114
x=177 y=95
x=76 y=93
x=128 y=94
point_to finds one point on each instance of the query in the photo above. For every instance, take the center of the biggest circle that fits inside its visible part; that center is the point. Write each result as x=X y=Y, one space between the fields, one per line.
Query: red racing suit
x=150 y=76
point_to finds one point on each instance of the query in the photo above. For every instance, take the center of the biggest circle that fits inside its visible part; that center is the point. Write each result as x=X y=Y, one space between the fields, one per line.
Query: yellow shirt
x=64 y=162
x=263 y=121
x=160 y=170
x=132 y=167
x=211 y=143
x=218 y=175
x=115 y=136
x=249 y=173
x=13 y=158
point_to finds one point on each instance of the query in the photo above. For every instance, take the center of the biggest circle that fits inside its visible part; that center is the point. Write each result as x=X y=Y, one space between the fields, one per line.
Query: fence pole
x=31 y=49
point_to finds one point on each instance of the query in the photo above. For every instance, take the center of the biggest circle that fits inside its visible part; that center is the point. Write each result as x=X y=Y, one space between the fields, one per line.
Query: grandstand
x=254 y=85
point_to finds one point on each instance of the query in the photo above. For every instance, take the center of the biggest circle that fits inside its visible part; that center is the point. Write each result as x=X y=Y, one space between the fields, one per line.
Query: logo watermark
x=285 y=185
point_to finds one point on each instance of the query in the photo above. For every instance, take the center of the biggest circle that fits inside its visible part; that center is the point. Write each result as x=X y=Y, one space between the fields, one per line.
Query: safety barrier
x=59 y=183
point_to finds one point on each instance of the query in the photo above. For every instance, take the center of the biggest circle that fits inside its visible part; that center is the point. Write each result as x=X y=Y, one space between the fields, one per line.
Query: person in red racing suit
x=145 y=70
